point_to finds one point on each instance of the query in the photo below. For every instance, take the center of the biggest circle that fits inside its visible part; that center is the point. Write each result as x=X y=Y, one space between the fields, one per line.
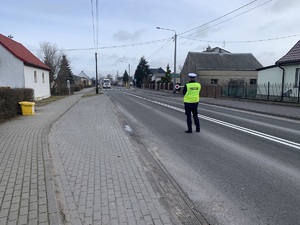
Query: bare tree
x=180 y=68
x=109 y=76
x=51 y=56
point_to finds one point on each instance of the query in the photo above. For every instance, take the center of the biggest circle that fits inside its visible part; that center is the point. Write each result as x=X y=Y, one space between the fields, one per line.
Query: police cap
x=192 y=75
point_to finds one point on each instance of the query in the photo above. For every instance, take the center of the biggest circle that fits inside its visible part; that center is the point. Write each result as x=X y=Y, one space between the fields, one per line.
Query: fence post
x=268 y=91
x=299 y=91
x=215 y=91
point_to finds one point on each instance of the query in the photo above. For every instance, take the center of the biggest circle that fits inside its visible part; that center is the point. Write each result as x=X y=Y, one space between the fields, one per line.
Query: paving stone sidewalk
x=73 y=163
x=102 y=178
x=26 y=182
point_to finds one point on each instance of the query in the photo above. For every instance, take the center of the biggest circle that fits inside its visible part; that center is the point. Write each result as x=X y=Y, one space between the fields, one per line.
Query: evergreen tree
x=167 y=78
x=142 y=73
x=125 y=78
x=64 y=74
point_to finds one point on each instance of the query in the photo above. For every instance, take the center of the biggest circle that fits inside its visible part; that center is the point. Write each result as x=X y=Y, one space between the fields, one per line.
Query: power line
x=247 y=41
x=119 y=46
x=92 y=9
x=161 y=48
x=262 y=40
x=168 y=40
x=219 y=17
x=95 y=31
x=97 y=25
x=232 y=17
x=95 y=40
x=216 y=20
x=93 y=20
x=186 y=37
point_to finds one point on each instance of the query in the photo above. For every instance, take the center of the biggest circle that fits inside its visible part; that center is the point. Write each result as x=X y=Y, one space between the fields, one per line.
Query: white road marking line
x=233 y=126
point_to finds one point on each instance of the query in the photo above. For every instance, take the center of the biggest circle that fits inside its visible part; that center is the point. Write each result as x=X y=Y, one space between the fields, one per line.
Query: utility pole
x=175 y=52
x=97 y=91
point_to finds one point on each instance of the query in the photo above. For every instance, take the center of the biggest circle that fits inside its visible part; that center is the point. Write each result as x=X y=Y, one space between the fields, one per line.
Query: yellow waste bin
x=27 y=108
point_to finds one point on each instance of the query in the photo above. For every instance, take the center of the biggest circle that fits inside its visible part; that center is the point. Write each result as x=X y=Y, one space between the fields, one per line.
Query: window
x=43 y=77
x=297 y=77
x=253 y=81
x=214 y=81
x=35 y=77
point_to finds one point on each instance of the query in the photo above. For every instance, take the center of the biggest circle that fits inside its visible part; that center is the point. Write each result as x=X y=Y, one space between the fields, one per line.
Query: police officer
x=191 y=92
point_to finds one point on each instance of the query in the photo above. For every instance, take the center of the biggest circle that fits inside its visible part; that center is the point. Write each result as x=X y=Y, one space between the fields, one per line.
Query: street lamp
x=128 y=72
x=175 y=40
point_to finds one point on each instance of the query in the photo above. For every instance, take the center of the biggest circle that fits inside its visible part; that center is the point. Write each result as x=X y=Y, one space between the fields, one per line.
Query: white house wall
x=11 y=70
x=290 y=74
x=41 y=86
x=290 y=80
x=272 y=75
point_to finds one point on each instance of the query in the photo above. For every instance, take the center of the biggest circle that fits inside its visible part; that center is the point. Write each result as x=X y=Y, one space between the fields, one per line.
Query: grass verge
x=47 y=101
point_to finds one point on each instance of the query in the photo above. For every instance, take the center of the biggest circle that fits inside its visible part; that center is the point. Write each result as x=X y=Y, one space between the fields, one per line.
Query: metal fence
x=210 y=91
x=268 y=91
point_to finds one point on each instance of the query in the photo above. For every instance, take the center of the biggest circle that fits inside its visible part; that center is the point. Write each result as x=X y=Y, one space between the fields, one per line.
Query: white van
x=106 y=83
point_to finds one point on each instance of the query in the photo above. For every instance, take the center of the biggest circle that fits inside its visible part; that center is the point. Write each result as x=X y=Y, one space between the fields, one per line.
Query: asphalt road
x=242 y=168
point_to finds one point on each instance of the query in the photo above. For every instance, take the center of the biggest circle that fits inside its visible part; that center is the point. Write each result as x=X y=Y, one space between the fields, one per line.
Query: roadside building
x=82 y=79
x=19 y=68
x=156 y=74
x=282 y=79
x=216 y=66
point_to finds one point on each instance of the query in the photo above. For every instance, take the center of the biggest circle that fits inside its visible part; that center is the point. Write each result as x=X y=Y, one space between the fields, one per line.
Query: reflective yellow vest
x=192 y=94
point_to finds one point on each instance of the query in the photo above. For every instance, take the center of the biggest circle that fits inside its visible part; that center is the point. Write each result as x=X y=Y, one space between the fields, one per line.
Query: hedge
x=10 y=98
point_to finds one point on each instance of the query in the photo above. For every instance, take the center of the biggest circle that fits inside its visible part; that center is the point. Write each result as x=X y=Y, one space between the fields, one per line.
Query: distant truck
x=106 y=83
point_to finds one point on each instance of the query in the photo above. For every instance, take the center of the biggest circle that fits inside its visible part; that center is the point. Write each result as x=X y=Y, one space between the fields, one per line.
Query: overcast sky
x=126 y=29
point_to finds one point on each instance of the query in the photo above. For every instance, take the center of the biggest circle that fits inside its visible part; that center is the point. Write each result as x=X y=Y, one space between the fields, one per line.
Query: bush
x=10 y=98
x=77 y=87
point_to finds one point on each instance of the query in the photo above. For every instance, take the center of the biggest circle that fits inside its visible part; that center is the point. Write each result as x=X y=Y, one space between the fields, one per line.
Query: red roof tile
x=293 y=56
x=22 y=53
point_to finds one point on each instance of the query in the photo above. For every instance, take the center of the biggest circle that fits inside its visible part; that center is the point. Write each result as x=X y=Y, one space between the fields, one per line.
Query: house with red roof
x=283 y=78
x=19 y=68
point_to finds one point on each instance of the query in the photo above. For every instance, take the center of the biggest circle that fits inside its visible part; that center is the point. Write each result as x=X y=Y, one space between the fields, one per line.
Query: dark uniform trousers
x=192 y=108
